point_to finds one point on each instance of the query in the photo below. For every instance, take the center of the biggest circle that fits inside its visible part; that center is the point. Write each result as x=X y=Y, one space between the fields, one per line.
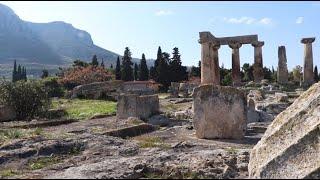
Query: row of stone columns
x=210 y=62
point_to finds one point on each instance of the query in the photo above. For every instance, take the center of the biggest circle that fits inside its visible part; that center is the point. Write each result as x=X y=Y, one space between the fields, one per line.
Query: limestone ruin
x=133 y=105
x=219 y=112
x=282 y=73
x=308 y=61
x=210 y=57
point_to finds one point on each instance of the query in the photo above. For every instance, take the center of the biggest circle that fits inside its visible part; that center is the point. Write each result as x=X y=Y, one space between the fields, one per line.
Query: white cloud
x=247 y=20
x=163 y=13
x=299 y=20
x=265 y=21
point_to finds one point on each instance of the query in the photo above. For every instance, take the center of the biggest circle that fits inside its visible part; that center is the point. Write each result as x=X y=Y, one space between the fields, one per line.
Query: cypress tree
x=126 y=69
x=152 y=73
x=118 y=69
x=94 y=61
x=316 y=74
x=102 y=63
x=144 y=71
x=156 y=64
x=163 y=71
x=111 y=66
x=14 y=73
x=136 y=69
x=45 y=74
x=177 y=71
x=19 y=73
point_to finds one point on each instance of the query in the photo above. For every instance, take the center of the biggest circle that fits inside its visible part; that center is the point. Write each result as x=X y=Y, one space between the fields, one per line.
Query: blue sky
x=143 y=26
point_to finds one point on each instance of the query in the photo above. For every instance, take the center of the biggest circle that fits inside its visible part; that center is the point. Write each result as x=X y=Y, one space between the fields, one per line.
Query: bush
x=28 y=99
x=84 y=75
x=53 y=87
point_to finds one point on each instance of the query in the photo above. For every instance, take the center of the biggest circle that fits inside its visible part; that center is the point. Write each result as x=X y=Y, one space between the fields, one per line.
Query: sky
x=143 y=26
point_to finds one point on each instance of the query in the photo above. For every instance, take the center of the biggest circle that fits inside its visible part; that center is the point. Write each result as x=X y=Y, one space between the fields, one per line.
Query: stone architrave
x=219 y=112
x=282 y=66
x=258 y=61
x=236 y=77
x=308 y=78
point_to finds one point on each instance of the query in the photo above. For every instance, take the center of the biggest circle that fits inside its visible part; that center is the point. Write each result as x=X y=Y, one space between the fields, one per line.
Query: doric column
x=308 y=78
x=258 y=62
x=282 y=73
x=209 y=60
x=236 y=77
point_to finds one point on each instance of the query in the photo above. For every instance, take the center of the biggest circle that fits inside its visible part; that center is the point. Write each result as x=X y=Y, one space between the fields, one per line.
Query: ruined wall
x=219 y=112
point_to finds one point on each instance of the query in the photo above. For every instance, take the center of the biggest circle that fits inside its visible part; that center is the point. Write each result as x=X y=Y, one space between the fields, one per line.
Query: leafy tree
x=267 y=73
x=248 y=72
x=196 y=71
x=136 y=70
x=126 y=70
x=45 y=74
x=118 y=69
x=144 y=71
x=94 y=61
x=79 y=63
x=297 y=73
x=227 y=79
x=316 y=74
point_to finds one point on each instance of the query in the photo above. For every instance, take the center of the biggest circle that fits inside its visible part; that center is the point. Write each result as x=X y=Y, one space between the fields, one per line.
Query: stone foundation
x=132 y=105
x=219 y=112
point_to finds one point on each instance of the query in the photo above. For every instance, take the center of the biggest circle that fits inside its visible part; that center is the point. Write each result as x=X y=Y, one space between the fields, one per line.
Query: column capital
x=308 y=40
x=215 y=45
x=257 y=43
x=234 y=45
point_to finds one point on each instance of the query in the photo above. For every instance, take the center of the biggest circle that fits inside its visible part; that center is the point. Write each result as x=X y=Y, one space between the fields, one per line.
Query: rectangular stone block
x=219 y=112
x=132 y=105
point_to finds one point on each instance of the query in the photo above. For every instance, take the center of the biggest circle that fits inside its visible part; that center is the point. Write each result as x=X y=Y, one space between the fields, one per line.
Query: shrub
x=28 y=99
x=53 y=87
x=84 y=75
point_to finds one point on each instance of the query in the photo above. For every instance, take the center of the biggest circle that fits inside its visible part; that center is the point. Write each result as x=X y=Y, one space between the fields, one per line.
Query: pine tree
x=118 y=69
x=94 y=61
x=102 y=64
x=136 y=69
x=177 y=71
x=316 y=74
x=14 y=72
x=126 y=69
x=144 y=71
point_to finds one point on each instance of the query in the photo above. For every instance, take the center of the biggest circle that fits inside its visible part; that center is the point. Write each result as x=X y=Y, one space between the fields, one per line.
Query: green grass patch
x=8 y=173
x=151 y=142
x=43 y=162
x=85 y=109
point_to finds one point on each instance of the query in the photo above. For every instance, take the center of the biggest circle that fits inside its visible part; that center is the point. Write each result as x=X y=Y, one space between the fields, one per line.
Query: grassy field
x=85 y=109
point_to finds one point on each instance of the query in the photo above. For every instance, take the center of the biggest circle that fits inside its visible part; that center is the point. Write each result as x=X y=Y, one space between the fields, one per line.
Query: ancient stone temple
x=210 y=57
x=282 y=73
x=308 y=78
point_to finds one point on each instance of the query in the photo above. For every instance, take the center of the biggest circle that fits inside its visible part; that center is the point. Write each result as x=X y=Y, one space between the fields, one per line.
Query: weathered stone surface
x=132 y=105
x=219 y=112
x=256 y=95
x=282 y=66
x=174 y=90
x=281 y=97
x=139 y=87
x=7 y=113
x=210 y=63
x=290 y=148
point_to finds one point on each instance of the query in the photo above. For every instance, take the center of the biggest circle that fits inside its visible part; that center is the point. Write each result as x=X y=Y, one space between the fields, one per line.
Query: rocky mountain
x=54 y=43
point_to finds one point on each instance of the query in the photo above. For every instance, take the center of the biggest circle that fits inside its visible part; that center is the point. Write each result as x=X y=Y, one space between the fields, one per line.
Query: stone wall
x=219 y=112
x=139 y=87
x=133 y=105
